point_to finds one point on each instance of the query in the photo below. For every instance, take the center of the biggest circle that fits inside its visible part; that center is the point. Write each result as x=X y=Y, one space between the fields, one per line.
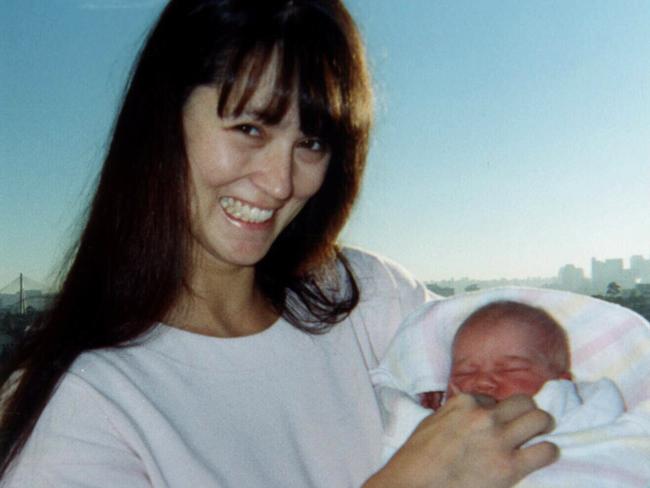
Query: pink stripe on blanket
x=609 y=337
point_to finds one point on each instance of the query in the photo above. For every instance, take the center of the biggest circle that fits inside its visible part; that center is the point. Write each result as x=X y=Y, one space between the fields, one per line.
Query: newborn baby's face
x=498 y=360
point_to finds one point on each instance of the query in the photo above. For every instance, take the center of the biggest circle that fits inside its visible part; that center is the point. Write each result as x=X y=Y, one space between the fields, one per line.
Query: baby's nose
x=484 y=384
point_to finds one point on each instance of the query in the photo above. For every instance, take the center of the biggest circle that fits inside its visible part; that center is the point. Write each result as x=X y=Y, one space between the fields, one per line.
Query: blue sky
x=511 y=137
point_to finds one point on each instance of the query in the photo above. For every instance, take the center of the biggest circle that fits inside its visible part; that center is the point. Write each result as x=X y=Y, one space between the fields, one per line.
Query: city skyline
x=511 y=138
x=617 y=262
x=569 y=277
x=609 y=278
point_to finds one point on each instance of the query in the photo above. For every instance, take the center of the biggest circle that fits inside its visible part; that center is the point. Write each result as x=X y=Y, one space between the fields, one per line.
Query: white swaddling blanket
x=601 y=446
x=597 y=439
x=580 y=406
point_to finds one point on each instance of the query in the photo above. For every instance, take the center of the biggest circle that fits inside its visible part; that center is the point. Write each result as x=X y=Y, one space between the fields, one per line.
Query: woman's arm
x=466 y=445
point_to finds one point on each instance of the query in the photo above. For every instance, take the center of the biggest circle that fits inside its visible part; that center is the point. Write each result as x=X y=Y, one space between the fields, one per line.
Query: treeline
x=639 y=303
x=13 y=326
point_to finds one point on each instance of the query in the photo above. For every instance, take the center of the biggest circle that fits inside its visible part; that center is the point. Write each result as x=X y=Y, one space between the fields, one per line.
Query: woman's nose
x=274 y=171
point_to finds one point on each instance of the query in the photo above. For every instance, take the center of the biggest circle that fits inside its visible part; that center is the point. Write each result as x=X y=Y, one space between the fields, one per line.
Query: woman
x=187 y=346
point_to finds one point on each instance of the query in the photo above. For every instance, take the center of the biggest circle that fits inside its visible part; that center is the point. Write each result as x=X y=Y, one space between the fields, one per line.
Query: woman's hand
x=468 y=445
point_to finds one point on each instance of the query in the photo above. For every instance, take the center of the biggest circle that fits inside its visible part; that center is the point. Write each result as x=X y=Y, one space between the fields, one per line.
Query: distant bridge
x=27 y=284
x=17 y=293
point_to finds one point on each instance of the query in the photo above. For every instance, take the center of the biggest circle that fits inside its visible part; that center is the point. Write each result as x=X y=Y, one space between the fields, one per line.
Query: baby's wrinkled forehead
x=507 y=334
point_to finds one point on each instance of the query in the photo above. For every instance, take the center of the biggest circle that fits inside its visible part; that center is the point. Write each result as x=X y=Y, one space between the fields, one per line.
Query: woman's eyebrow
x=246 y=113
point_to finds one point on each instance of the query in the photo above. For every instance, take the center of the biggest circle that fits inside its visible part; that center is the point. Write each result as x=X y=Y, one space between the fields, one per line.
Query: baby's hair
x=552 y=338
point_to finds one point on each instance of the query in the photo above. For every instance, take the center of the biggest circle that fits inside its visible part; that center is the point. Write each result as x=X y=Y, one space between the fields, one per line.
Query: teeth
x=243 y=211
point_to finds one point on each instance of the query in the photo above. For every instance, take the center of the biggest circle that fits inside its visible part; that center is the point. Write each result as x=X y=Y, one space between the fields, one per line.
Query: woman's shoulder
x=378 y=275
x=118 y=373
x=388 y=294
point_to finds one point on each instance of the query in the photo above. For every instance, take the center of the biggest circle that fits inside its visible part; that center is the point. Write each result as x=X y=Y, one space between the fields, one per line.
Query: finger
x=462 y=401
x=529 y=459
x=513 y=407
x=527 y=426
x=452 y=390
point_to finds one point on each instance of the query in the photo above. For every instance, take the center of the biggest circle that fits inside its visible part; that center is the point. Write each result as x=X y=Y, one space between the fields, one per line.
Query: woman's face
x=248 y=179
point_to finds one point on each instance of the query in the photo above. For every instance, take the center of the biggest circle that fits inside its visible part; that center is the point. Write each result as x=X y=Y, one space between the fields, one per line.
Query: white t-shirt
x=281 y=408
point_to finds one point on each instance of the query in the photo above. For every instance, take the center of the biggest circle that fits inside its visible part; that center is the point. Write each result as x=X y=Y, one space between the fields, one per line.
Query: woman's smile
x=243 y=212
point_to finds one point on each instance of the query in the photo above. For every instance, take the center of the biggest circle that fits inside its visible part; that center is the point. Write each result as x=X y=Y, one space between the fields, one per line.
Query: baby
x=507 y=348
x=503 y=349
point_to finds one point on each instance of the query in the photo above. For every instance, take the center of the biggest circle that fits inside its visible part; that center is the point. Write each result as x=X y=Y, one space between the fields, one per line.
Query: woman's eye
x=314 y=144
x=249 y=130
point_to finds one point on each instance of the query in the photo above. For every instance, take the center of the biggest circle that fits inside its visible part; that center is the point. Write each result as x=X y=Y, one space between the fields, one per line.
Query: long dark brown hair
x=131 y=260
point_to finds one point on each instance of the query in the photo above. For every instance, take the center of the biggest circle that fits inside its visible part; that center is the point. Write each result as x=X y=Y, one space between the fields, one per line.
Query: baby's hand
x=432 y=399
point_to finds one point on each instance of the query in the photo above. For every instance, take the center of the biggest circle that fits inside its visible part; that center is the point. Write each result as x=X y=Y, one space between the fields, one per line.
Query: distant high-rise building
x=611 y=270
x=640 y=269
x=572 y=278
